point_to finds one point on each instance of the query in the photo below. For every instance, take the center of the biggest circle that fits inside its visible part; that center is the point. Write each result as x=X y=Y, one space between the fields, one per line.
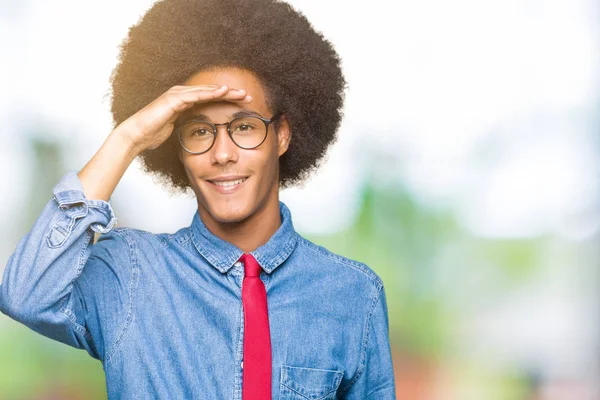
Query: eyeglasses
x=197 y=136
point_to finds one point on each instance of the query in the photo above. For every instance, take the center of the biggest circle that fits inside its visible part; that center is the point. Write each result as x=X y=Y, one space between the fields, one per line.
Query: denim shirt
x=163 y=312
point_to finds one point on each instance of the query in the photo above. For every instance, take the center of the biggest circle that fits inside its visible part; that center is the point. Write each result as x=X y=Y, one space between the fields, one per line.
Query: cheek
x=263 y=166
x=273 y=167
x=193 y=167
x=187 y=164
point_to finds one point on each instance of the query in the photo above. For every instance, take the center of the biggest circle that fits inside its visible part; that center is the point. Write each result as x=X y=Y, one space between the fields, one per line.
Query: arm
x=56 y=282
x=40 y=286
x=375 y=377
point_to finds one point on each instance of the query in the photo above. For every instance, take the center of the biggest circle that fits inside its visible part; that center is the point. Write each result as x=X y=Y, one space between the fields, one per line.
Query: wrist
x=125 y=143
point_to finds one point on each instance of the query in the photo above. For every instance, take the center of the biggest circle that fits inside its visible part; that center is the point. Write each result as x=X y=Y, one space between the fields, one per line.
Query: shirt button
x=237 y=264
x=242 y=364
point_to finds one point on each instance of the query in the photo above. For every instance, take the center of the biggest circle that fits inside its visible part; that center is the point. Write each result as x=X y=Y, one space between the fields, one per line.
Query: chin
x=224 y=214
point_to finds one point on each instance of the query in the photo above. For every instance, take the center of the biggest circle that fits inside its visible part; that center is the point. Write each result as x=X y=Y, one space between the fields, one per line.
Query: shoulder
x=110 y=273
x=120 y=253
x=119 y=249
x=137 y=247
x=120 y=237
x=355 y=269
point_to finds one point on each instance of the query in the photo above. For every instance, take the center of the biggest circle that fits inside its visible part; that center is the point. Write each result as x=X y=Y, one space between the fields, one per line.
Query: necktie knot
x=251 y=267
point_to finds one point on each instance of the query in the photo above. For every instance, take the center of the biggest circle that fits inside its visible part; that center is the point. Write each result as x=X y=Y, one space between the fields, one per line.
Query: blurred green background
x=441 y=281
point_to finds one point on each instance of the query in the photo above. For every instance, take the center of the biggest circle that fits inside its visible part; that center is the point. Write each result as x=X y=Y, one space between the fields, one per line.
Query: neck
x=252 y=232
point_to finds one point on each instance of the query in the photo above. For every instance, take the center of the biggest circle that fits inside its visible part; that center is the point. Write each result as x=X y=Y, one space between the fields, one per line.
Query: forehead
x=234 y=78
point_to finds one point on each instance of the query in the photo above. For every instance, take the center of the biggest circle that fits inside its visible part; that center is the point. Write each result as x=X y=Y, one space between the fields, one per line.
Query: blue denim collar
x=222 y=254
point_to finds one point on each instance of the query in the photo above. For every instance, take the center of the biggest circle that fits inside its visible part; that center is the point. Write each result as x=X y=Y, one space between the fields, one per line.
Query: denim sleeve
x=44 y=285
x=375 y=376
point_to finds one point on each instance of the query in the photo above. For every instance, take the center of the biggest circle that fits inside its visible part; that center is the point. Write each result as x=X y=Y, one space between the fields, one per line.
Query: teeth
x=229 y=183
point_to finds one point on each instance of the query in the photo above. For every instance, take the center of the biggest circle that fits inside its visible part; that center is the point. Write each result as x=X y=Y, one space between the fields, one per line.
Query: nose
x=223 y=149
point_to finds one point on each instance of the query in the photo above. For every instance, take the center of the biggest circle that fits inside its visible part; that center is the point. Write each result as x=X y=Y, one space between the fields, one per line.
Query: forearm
x=100 y=176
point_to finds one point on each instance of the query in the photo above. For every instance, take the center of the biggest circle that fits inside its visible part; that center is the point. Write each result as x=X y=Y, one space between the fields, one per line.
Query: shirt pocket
x=300 y=383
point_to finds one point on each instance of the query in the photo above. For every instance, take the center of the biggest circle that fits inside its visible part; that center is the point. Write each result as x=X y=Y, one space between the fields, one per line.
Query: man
x=234 y=100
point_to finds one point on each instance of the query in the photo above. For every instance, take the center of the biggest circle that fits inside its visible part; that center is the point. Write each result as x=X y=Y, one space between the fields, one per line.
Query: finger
x=201 y=94
x=184 y=100
x=245 y=99
x=215 y=88
x=218 y=91
x=227 y=95
x=189 y=88
x=234 y=94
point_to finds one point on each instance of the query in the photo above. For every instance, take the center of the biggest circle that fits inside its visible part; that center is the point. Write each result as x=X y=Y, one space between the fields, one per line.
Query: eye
x=246 y=125
x=199 y=132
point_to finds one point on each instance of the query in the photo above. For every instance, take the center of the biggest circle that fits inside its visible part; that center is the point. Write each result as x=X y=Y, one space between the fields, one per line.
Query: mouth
x=227 y=186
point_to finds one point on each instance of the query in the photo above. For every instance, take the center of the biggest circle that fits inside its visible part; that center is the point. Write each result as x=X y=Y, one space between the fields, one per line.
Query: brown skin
x=248 y=217
x=146 y=129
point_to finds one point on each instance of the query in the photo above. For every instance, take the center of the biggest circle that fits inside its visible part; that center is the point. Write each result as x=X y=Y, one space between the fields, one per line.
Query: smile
x=229 y=183
x=227 y=186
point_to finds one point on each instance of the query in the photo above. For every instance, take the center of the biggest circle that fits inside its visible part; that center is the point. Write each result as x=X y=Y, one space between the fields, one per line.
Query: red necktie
x=256 y=372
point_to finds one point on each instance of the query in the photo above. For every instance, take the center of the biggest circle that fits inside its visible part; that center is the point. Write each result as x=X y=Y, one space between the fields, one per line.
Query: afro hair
x=298 y=68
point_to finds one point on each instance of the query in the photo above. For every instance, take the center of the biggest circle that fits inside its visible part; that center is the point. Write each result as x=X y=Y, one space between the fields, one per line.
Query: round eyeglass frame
x=266 y=121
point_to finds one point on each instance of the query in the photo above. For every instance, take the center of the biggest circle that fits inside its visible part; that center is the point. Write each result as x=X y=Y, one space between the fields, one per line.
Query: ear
x=284 y=135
